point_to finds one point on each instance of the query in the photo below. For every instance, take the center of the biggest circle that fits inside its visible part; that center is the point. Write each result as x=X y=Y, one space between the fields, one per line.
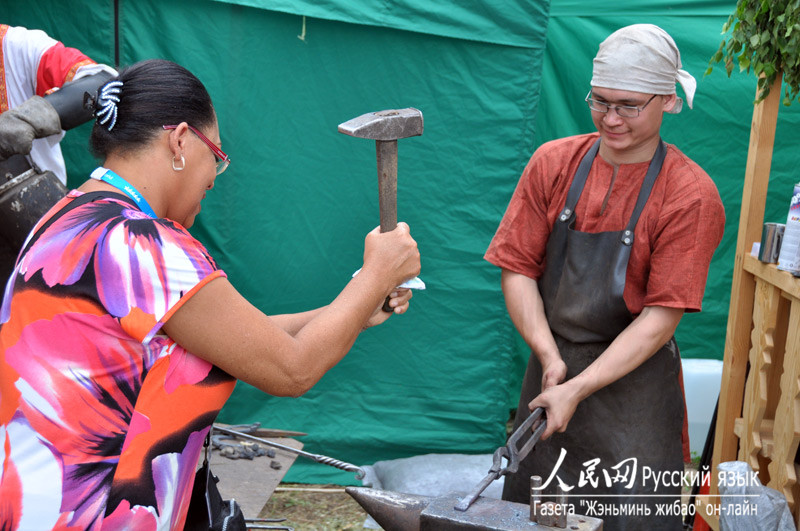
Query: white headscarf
x=642 y=58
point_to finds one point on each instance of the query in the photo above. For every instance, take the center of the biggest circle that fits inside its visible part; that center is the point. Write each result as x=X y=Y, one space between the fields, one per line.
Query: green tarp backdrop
x=287 y=220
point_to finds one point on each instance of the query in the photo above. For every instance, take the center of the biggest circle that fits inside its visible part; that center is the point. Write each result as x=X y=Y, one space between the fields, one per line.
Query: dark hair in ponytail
x=153 y=93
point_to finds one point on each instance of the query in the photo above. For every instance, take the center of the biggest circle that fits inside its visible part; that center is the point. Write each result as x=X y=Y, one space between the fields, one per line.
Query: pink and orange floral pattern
x=102 y=417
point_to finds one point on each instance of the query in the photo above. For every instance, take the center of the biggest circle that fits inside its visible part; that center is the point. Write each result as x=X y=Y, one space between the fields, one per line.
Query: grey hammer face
x=391 y=124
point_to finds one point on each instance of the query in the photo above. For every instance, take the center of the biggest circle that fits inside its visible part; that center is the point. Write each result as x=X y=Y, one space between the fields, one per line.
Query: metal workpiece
x=323 y=459
x=267 y=523
x=395 y=511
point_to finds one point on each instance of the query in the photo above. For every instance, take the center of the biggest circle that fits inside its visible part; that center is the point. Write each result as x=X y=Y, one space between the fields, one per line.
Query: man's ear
x=669 y=101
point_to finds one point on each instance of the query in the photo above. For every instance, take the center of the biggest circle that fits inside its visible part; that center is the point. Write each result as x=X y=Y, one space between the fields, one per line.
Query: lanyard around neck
x=115 y=180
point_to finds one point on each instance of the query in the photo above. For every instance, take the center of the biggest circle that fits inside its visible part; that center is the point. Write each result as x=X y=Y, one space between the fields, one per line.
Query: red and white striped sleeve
x=58 y=65
x=38 y=63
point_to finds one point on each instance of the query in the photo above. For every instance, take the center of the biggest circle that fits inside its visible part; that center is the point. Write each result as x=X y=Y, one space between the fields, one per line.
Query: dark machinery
x=28 y=192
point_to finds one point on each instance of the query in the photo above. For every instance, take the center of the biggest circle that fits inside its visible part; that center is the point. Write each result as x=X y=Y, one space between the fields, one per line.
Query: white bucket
x=701 y=380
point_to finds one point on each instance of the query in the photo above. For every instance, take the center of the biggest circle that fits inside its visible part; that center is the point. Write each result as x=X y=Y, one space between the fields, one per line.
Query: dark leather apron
x=584 y=274
x=638 y=416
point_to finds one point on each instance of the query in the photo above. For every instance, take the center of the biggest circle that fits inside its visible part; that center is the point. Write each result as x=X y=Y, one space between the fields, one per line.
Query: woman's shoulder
x=112 y=223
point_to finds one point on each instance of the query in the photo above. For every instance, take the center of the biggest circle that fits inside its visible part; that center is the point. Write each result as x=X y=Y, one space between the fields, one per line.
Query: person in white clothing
x=33 y=65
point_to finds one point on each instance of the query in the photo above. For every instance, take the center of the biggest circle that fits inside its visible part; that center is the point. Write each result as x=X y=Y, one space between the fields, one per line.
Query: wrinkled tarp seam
x=388 y=20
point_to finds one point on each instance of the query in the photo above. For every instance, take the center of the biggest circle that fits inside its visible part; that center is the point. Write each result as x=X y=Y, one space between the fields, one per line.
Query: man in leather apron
x=605 y=244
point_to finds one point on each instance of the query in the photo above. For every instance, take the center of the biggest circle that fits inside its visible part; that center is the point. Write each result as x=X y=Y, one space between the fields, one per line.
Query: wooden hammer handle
x=386 y=151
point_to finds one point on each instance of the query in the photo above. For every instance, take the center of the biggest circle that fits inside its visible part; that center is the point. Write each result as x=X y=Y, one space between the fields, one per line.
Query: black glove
x=34 y=118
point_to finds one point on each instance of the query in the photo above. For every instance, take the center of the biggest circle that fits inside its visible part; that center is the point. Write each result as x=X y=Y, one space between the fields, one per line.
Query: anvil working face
x=395 y=511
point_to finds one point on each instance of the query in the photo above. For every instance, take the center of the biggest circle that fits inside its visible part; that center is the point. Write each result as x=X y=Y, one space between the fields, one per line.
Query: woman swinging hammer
x=121 y=339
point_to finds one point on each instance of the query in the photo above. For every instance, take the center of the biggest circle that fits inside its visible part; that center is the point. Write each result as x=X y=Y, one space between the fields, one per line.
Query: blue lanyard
x=104 y=174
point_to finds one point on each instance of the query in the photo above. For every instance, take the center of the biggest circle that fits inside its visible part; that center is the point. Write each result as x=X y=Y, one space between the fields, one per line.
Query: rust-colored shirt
x=677 y=233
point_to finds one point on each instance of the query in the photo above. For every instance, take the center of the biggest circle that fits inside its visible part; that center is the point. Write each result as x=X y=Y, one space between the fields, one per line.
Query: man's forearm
x=636 y=344
x=526 y=309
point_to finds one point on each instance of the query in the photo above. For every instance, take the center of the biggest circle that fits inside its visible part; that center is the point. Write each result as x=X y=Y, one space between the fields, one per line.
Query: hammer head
x=385 y=125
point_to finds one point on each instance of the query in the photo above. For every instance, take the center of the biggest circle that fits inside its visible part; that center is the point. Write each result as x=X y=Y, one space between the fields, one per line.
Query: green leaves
x=763 y=36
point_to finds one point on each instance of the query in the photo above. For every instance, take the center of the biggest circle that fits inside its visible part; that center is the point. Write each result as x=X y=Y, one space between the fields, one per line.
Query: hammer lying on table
x=386 y=127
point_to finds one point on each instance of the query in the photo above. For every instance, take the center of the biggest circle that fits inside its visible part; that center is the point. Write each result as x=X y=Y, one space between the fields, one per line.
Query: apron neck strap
x=578 y=183
x=582 y=173
x=644 y=192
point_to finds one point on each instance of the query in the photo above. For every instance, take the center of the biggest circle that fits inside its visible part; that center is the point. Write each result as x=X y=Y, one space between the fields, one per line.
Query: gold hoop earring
x=175 y=166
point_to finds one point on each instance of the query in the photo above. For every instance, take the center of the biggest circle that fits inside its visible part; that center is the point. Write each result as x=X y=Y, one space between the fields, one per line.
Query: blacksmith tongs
x=511 y=452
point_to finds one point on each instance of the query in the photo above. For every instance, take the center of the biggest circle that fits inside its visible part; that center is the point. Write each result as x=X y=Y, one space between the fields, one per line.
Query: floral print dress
x=102 y=417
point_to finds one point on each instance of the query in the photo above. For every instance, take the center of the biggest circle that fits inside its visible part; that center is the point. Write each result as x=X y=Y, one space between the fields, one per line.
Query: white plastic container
x=789 y=257
x=701 y=381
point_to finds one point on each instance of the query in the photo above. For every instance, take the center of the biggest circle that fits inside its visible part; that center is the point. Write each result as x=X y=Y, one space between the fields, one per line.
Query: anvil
x=395 y=511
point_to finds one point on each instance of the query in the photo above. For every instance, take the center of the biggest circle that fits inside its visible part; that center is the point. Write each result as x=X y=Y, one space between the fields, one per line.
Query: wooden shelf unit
x=758 y=419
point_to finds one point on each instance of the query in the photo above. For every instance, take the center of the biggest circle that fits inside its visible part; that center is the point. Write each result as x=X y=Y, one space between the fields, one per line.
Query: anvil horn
x=392 y=510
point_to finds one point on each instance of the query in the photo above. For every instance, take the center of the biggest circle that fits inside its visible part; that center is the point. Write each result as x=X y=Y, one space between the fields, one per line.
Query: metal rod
x=341 y=465
x=263 y=523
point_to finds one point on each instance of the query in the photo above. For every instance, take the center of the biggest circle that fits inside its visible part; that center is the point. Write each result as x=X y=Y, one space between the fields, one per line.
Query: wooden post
x=740 y=315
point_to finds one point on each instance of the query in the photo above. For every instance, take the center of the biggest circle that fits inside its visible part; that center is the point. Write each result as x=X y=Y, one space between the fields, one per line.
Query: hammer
x=386 y=127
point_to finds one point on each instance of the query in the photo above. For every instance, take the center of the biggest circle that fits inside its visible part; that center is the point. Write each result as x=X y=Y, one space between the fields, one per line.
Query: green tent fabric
x=517 y=23
x=287 y=220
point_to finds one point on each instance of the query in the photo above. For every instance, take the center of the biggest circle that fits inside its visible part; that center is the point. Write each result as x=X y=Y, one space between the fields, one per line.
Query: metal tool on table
x=266 y=523
x=511 y=452
x=341 y=465
x=386 y=128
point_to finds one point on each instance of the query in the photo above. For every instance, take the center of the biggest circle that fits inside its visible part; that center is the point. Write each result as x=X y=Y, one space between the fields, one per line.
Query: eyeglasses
x=222 y=159
x=623 y=111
